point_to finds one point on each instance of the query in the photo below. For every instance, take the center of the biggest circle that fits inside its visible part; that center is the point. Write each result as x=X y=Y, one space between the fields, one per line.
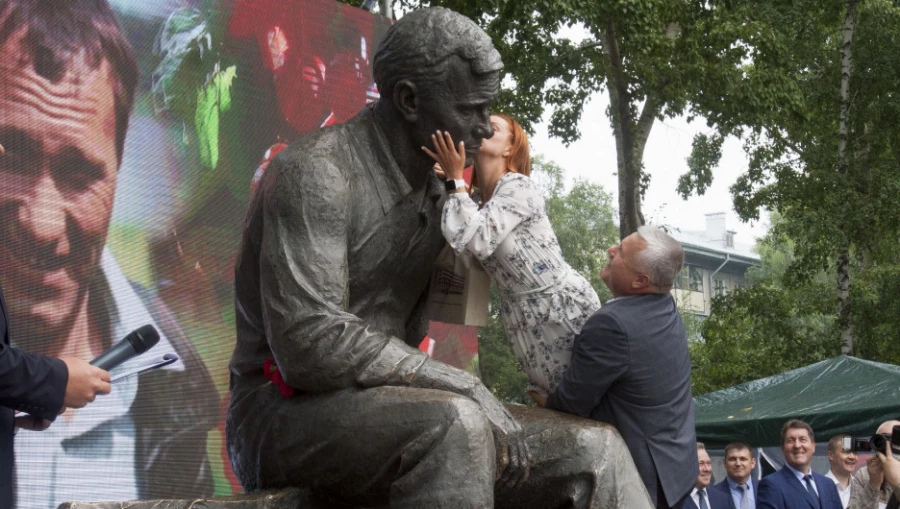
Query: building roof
x=715 y=242
x=698 y=242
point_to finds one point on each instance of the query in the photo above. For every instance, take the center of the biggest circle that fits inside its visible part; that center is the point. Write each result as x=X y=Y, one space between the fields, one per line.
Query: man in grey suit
x=631 y=367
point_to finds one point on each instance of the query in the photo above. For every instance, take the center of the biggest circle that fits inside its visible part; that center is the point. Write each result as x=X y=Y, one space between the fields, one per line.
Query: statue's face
x=460 y=105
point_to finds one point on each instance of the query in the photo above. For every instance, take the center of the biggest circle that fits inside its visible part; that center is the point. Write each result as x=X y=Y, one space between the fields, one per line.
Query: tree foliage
x=829 y=163
x=655 y=58
x=766 y=327
x=781 y=321
x=583 y=220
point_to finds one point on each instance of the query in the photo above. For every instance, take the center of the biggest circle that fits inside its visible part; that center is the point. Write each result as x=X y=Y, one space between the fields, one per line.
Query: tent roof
x=839 y=395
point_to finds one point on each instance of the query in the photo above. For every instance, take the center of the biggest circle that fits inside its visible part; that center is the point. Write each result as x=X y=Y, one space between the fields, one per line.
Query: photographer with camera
x=878 y=485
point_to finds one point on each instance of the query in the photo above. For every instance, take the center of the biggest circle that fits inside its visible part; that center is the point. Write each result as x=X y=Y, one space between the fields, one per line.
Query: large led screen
x=90 y=252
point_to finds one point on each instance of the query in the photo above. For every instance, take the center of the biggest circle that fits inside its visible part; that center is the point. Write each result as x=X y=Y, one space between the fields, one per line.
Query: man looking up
x=330 y=283
x=843 y=464
x=739 y=486
x=796 y=486
x=631 y=367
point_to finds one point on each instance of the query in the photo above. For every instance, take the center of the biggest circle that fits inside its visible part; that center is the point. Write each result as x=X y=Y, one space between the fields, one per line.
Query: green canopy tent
x=839 y=395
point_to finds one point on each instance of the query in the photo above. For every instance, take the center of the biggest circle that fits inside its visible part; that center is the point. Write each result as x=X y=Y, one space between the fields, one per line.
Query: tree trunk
x=843 y=294
x=628 y=167
x=843 y=262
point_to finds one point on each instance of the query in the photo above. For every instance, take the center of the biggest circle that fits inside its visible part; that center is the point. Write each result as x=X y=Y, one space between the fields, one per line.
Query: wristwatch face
x=453 y=185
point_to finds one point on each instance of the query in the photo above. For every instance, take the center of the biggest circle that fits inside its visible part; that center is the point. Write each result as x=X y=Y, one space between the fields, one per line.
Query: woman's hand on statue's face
x=452 y=160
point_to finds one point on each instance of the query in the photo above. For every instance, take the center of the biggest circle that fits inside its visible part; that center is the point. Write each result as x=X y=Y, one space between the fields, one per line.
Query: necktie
x=745 y=498
x=809 y=485
x=702 y=495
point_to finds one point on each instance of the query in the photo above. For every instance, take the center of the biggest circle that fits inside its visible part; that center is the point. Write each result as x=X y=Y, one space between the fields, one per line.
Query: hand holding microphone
x=87 y=380
x=84 y=384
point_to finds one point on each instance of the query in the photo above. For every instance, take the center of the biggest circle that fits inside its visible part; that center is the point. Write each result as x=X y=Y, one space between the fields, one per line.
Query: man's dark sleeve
x=600 y=356
x=30 y=383
x=318 y=344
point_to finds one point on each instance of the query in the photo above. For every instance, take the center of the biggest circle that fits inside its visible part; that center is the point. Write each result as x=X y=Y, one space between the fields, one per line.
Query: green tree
x=583 y=220
x=766 y=327
x=781 y=321
x=655 y=58
x=830 y=165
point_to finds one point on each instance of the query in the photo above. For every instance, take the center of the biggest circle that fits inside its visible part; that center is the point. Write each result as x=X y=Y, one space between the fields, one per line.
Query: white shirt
x=88 y=453
x=843 y=492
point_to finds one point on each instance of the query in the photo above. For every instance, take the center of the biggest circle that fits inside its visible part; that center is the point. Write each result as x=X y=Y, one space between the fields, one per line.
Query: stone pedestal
x=282 y=499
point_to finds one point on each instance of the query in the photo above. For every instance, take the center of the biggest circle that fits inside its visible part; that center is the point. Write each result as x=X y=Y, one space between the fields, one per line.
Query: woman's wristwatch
x=454 y=184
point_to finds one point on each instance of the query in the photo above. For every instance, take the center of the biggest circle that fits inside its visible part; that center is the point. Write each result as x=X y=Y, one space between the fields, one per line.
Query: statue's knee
x=468 y=419
x=597 y=443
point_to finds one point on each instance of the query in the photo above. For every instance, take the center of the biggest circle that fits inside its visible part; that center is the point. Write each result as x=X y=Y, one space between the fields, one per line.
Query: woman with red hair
x=543 y=302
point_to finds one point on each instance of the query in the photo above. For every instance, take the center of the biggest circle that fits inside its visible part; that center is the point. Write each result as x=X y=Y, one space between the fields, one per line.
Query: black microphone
x=134 y=344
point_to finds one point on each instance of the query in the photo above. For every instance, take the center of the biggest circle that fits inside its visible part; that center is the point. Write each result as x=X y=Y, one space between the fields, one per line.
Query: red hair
x=519 y=160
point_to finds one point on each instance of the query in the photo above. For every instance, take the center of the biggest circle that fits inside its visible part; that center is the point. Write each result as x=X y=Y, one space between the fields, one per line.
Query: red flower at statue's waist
x=270 y=369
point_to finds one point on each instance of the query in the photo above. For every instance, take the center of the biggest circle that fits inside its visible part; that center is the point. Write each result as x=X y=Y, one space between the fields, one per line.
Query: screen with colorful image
x=111 y=221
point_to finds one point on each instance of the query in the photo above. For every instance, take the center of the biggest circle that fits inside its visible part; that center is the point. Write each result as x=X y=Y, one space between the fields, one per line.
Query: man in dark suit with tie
x=739 y=486
x=631 y=367
x=796 y=486
x=38 y=388
x=704 y=496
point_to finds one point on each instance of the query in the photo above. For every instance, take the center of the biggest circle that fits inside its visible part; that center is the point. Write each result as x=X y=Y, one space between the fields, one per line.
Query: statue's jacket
x=334 y=265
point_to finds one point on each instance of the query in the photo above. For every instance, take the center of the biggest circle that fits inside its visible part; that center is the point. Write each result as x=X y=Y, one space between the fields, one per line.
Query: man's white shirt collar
x=695 y=496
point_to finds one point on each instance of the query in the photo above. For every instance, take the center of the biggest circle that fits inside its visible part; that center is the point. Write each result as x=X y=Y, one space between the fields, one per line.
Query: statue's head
x=439 y=70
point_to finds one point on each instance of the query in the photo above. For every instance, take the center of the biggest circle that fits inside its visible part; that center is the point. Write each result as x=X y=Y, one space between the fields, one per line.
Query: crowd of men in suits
x=796 y=486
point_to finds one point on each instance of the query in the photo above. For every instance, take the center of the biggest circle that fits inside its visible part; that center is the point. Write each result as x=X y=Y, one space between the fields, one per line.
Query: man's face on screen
x=57 y=184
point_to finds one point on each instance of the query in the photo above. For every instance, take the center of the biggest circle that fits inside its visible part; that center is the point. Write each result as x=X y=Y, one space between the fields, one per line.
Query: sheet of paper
x=155 y=363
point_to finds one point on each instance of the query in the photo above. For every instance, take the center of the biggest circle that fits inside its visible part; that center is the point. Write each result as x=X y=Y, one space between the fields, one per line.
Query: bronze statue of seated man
x=331 y=281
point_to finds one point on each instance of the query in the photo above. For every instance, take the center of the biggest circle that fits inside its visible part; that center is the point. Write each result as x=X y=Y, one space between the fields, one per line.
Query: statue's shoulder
x=316 y=159
x=322 y=147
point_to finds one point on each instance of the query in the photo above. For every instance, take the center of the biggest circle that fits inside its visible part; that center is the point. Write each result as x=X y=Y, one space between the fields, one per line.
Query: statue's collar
x=390 y=183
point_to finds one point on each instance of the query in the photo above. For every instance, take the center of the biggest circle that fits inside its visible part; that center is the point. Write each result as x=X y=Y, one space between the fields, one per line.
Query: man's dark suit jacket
x=782 y=490
x=631 y=368
x=726 y=489
x=29 y=383
x=715 y=500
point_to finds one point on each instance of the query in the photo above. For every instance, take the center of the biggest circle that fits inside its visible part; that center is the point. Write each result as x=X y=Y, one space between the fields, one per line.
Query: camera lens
x=879 y=442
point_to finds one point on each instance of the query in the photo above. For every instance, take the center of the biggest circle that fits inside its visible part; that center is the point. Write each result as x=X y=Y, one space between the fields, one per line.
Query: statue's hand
x=513 y=456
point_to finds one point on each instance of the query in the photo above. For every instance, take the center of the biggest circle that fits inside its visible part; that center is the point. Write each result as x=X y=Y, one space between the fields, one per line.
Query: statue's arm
x=318 y=345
